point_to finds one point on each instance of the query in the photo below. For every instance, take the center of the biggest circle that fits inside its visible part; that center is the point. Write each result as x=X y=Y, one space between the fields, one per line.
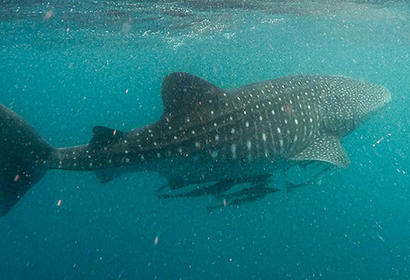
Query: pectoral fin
x=107 y=175
x=325 y=148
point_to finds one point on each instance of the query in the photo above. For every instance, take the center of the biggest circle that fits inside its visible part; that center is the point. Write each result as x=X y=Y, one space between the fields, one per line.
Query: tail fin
x=22 y=152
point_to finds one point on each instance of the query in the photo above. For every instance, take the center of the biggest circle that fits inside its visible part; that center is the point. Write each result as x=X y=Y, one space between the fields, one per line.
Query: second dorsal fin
x=184 y=94
x=104 y=136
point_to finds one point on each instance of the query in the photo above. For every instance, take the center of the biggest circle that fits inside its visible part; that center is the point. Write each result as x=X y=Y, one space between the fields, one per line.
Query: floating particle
x=378 y=142
x=402 y=171
x=381 y=139
x=48 y=15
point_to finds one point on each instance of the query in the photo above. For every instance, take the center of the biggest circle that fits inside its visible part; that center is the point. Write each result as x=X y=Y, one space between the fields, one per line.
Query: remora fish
x=204 y=134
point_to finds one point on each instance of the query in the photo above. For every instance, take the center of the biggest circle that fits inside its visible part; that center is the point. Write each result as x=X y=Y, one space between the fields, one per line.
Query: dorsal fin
x=183 y=94
x=104 y=136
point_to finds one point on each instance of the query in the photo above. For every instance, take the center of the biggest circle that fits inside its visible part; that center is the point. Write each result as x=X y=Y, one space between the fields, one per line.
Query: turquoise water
x=65 y=67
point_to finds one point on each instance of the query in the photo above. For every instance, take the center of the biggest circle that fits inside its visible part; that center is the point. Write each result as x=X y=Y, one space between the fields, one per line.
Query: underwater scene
x=204 y=139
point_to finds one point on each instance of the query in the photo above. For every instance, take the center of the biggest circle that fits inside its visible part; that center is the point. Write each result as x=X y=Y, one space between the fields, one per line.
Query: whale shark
x=205 y=134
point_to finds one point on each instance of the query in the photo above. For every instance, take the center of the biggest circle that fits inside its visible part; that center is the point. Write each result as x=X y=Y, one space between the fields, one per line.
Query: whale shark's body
x=206 y=134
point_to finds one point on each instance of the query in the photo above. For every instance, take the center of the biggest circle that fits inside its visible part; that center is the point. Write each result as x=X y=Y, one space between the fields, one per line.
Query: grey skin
x=205 y=134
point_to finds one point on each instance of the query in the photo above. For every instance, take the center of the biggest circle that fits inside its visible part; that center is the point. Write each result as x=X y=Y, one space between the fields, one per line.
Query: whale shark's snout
x=369 y=100
x=376 y=98
x=350 y=102
x=386 y=94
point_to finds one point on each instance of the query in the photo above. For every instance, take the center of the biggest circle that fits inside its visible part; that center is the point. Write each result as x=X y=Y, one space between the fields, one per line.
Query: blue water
x=66 y=66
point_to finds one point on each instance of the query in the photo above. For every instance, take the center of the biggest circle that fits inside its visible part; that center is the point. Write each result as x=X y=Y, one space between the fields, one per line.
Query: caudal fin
x=22 y=152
